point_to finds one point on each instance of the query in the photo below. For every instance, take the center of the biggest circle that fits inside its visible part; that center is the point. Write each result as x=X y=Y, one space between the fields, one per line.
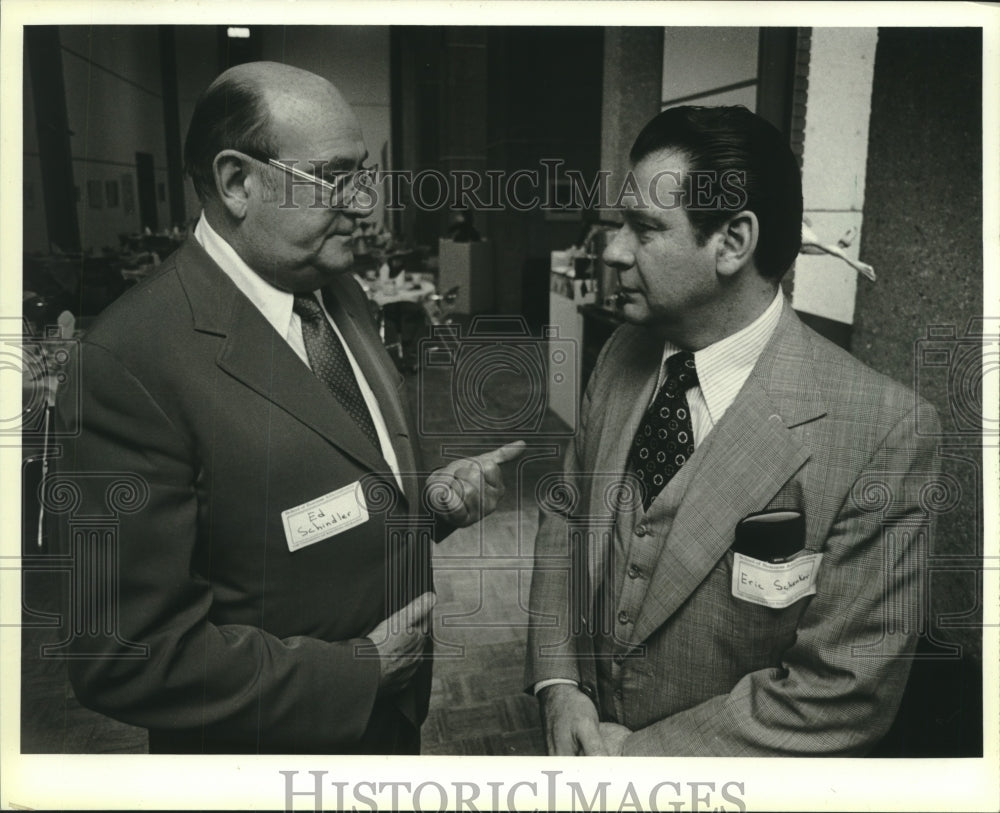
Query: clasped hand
x=572 y=727
x=400 y=641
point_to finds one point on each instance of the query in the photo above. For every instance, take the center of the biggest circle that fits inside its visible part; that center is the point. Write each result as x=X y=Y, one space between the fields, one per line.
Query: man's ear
x=739 y=241
x=230 y=171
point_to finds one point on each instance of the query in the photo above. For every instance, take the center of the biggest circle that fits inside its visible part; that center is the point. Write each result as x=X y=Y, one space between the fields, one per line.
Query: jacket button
x=623 y=617
x=588 y=690
x=619 y=695
x=641 y=530
x=633 y=572
x=619 y=659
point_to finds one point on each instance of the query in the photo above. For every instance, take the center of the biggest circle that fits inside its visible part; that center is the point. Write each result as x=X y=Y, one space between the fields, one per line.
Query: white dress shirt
x=723 y=369
x=276 y=306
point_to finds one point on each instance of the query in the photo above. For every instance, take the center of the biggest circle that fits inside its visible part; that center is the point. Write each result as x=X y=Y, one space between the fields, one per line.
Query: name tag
x=775 y=585
x=324 y=517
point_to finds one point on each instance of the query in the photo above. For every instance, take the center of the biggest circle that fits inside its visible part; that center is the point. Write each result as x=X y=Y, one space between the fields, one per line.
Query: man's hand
x=614 y=736
x=570 y=721
x=465 y=491
x=400 y=641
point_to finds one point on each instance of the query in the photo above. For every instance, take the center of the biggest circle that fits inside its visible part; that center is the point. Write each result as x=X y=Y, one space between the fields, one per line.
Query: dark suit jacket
x=689 y=667
x=188 y=393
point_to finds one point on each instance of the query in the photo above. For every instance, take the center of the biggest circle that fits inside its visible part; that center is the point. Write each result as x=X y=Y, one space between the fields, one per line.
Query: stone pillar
x=835 y=155
x=633 y=84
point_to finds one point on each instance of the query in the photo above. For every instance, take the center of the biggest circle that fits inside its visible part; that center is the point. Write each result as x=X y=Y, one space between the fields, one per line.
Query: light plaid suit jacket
x=690 y=668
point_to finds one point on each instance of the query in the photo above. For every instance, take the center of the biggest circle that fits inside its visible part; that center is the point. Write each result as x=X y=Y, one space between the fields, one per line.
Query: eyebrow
x=343 y=164
x=637 y=214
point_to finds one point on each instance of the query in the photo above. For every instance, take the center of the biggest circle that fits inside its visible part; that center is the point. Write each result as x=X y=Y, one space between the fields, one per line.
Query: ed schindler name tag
x=775 y=585
x=324 y=516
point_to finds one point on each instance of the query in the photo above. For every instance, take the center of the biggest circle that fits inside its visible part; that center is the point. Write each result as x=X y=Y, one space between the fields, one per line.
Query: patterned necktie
x=329 y=362
x=665 y=440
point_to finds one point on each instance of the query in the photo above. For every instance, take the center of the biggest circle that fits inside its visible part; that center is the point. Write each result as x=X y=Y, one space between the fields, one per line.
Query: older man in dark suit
x=274 y=577
x=740 y=553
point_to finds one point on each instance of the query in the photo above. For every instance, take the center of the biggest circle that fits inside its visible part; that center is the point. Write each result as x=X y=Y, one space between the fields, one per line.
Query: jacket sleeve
x=551 y=648
x=838 y=686
x=162 y=664
x=558 y=580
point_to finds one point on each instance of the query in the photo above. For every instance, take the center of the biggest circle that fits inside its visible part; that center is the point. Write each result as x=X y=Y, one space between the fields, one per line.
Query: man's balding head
x=289 y=230
x=246 y=108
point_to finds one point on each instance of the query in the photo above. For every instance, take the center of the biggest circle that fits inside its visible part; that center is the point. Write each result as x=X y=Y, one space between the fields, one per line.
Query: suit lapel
x=749 y=455
x=256 y=355
x=625 y=409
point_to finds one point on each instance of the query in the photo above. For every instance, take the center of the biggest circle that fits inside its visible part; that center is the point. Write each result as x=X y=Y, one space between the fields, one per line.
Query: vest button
x=641 y=530
x=623 y=617
x=633 y=572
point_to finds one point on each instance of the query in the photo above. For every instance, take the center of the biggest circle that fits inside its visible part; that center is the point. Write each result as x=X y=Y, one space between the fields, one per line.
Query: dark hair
x=720 y=140
x=229 y=114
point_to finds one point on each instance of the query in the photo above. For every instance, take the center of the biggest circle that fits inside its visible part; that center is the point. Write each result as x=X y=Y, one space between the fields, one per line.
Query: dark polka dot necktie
x=665 y=440
x=329 y=362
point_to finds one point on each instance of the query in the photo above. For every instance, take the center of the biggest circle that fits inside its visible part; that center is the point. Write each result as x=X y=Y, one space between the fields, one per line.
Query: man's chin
x=635 y=313
x=334 y=263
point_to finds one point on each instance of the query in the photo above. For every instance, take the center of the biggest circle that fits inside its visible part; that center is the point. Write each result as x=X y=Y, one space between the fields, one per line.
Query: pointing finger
x=504 y=454
x=421 y=606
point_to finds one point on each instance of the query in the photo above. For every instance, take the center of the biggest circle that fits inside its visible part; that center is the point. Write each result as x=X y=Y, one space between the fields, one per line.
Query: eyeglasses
x=343 y=187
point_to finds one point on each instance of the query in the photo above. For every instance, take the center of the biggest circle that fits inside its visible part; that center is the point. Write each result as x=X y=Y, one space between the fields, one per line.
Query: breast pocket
x=759 y=631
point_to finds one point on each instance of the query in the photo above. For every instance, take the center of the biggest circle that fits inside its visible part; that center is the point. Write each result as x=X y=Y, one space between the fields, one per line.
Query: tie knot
x=307 y=307
x=681 y=372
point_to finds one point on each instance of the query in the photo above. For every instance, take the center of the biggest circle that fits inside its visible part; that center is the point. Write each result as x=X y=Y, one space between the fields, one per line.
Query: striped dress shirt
x=723 y=369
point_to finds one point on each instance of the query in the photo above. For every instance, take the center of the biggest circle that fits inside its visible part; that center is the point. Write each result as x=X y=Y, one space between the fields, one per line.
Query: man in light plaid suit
x=730 y=563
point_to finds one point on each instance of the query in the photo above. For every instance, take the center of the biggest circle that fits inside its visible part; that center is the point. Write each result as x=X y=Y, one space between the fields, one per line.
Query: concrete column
x=835 y=154
x=633 y=82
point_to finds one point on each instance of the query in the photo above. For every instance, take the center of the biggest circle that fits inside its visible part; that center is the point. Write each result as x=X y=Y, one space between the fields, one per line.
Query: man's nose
x=362 y=204
x=618 y=254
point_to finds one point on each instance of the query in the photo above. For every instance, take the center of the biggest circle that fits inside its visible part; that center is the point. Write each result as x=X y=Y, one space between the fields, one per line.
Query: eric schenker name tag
x=775 y=585
x=324 y=517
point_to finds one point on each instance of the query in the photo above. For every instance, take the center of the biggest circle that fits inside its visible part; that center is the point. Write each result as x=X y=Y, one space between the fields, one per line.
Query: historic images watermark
x=543 y=790
x=44 y=361
x=548 y=187
x=963 y=361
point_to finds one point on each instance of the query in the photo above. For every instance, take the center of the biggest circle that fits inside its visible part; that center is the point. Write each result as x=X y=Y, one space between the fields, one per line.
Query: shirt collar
x=724 y=367
x=274 y=304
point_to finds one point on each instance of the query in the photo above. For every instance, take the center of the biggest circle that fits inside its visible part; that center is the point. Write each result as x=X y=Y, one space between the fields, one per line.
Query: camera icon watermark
x=499 y=377
x=44 y=363
x=909 y=563
x=91 y=504
x=960 y=367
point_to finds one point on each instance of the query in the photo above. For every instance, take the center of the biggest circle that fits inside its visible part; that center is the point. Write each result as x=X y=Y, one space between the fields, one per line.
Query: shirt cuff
x=552 y=682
